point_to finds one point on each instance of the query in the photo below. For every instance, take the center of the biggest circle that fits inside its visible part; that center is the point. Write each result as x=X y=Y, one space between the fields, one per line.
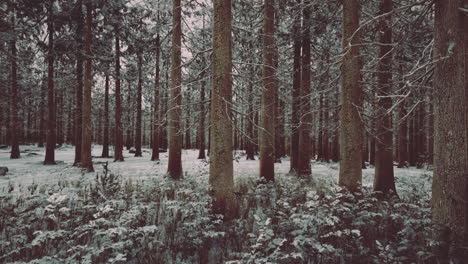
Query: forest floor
x=134 y=214
x=29 y=168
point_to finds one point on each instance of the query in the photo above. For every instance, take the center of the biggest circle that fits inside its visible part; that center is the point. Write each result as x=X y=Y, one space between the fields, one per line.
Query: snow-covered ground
x=29 y=169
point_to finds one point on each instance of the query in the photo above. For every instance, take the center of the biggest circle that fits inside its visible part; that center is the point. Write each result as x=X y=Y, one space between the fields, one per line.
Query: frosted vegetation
x=130 y=213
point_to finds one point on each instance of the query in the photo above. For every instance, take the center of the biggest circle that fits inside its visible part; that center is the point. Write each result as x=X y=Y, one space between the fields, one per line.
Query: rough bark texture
x=350 y=128
x=118 y=145
x=450 y=138
x=267 y=126
x=384 y=179
x=221 y=164
x=296 y=93
x=305 y=143
x=15 y=151
x=87 y=134
x=105 y=144
x=174 y=169
x=138 y=106
x=155 y=142
x=50 y=147
x=79 y=82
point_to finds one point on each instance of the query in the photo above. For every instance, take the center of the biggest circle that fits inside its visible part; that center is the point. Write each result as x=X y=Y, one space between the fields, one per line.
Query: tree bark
x=118 y=145
x=350 y=128
x=267 y=126
x=15 y=151
x=155 y=142
x=174 y=169
x=138 y=105
x=79 y=83
x=105 y=144
x=50 y=147
x=384 y=180
x=296 y=93
x=450 y=137
x=87 y=134
x=305 y=152
x=221 y=165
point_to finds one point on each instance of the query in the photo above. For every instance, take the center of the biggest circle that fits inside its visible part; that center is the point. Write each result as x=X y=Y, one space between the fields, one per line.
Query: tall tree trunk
x=250 y=149
x=305 y=152
x=105 y=144
x=118 y=146
x=384 y=179
x=138 y=106
x=42 y=109
x=201 y=127
x=188 y=143
x=267 y=119
x=155 y=142
x=296 y=93
x=79 y=83
x=221 y=165
x=449 y=208
x=402 y=136
x=50 y=148
x=325 y=140
x=350 y=129
x=15 y=151
x=174 y=168
x=86 y=160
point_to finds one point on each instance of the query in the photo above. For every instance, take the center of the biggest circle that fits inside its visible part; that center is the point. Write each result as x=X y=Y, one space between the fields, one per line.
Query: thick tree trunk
x=450 y=139
x=118 y=145
x=138 y=133
x=350 y=129
x=155 y=142
x=221 y=165
x=50 y=148
x=267 y=126
x=305 y=143
x=14 y=130
x=174 y=169
x=384 y=179
x=296 y=93
x=79 y=83
x=105 y=144
x=86 y=159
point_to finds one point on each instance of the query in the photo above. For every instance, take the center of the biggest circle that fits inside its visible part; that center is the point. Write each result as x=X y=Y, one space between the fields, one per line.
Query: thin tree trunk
x=86 y=160
x=118 y=146
x=384 y=180
x=105 y=145
x=350 y=129
x=305 y=152
x=296 y=93
x=15 y=151
x=201 y=127
x=50 y=148
x=174 y=169
x=267 y=126
x=250 y=152
x=221 y=165
x=42 y=122
x=138 y=106
x=155 y=143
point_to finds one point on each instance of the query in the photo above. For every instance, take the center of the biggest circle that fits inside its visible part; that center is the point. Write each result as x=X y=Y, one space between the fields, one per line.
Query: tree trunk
x=15 y=151
x=42 y=108
x=305 y=152
x=138 y=106
x=201 y=127
x=118 y=145
x=402 y=137
x=105 y=144
x=50 y=147
x=350 y=128
x=221 y=165
x=174 y=169
x=79 y=83
x=296 y=93
x=267 y=126
x=86 y=160
x=250 y=151
x=384 y=180
x=155 y=142
x=450 y=137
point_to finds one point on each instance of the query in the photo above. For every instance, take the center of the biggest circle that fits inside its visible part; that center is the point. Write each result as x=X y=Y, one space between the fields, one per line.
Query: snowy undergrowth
x=116 y=220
